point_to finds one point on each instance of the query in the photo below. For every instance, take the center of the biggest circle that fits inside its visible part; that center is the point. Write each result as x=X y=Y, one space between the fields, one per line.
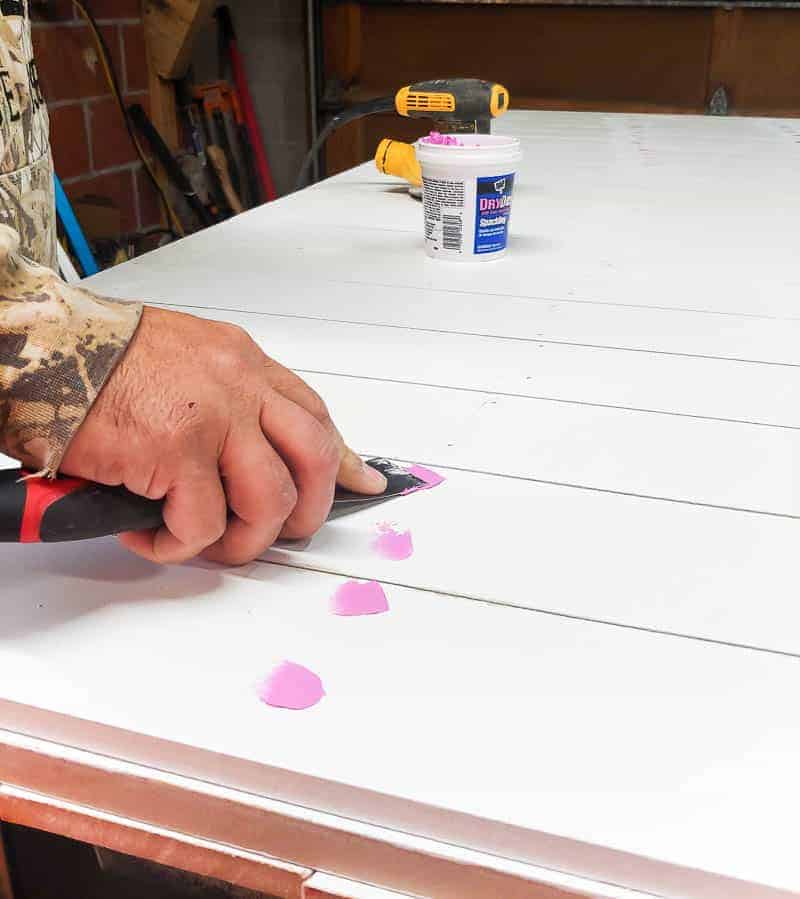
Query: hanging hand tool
x=248 y=157
x=223 y=210
x=463 y=104
x=168 y=161
x=38 y=510
x=208 y=177
x=221 y=108
x=225 y=23
x=186 y=104
x=214 y=100
x=219 y=161
x=221 y=125
x=250 y=190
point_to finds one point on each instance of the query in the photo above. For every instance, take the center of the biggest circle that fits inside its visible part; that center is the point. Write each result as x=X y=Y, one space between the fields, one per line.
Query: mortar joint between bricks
x=111 y=170
x=58 y=104
x=123 y=75
x=80 y=23
x=137 y=216
x=87 y=124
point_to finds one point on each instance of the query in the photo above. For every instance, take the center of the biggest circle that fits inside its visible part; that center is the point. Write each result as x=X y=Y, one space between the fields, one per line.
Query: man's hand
x=195 y=413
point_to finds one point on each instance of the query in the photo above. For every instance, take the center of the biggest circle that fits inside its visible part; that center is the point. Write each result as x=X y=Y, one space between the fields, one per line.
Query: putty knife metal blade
x=399 y=481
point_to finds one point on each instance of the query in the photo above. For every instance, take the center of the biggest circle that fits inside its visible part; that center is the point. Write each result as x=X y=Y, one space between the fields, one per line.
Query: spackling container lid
x=466 y=193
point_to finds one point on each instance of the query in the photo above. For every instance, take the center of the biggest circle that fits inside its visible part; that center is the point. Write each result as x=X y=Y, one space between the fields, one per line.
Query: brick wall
x=91 y=148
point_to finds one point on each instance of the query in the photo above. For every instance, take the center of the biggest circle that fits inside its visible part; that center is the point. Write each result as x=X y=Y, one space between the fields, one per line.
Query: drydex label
x=492 y=211
x=467 y=217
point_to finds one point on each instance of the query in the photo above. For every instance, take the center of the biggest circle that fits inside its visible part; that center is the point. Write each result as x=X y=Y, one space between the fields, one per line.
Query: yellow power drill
x=464 y=105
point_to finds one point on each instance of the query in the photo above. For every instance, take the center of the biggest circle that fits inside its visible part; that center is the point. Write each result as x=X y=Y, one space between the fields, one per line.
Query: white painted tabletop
x=592 y=660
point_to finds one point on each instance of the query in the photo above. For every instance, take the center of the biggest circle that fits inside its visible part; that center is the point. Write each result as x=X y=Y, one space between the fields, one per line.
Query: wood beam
x=343 y=40
x=170 y=29
x=722 y=58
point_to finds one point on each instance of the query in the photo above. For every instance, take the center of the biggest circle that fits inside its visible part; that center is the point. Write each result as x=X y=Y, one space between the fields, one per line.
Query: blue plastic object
x=77 y=241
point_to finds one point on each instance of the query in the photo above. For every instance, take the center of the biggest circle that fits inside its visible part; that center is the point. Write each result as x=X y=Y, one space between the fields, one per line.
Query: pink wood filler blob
x=291 y=686
x=431 y=478
x=391 y=544
x=446 y=140
x=354 y=598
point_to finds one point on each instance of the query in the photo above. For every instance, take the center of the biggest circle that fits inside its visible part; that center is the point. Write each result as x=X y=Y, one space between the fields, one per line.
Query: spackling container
x=466 y=193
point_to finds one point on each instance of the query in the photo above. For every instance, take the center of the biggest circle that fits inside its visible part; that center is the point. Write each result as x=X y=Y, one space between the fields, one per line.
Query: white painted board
x=326 y=886
x=637 y=759
x=315 y=254
x=748 y=338
x=694 y=460
x=639 y=381
x=634 y=210
x=705 y=573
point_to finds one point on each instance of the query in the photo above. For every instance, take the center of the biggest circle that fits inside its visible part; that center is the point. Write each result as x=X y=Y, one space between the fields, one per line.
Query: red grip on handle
x=40 y=494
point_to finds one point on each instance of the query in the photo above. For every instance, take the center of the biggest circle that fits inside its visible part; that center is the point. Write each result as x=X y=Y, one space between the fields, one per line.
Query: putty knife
x=51 y=511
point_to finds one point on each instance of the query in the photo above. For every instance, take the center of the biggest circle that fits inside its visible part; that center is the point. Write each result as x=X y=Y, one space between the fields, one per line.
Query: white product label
x=444 y=213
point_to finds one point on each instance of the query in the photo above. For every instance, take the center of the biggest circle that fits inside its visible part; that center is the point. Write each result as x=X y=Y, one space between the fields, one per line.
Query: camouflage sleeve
x=58 y=345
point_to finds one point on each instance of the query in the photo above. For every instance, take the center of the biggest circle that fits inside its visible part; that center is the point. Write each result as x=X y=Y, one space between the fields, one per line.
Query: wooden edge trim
x=164 y=817
x=242 y=868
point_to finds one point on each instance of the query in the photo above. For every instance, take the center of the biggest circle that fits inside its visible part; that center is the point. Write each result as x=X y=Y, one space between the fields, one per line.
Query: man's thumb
x=356 y=475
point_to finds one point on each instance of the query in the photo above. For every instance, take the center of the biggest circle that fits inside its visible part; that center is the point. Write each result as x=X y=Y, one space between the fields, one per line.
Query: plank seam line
x=584 y=302
x=472 y=597
x=484 y=336
x=551 y=399
x=438 y=289
x=587 y=487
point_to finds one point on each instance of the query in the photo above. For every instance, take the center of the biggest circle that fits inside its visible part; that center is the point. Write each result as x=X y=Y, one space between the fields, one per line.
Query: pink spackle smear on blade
x=443 y=140
x=391 y=544
x=430 y=478
x=354 y=598
x=291 y=686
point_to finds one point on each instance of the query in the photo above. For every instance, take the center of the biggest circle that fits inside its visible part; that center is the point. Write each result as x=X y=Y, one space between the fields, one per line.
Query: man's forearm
x=58 y=345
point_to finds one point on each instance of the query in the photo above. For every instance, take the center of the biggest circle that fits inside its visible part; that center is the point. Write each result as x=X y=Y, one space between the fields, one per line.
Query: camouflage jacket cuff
x=58 y=345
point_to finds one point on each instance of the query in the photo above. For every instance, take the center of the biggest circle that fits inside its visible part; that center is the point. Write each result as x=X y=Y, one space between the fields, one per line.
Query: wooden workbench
x=587 y=683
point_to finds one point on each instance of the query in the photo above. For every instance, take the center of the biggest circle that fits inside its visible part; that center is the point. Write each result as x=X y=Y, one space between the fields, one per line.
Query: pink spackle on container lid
x=291 y=686
x=442 y=140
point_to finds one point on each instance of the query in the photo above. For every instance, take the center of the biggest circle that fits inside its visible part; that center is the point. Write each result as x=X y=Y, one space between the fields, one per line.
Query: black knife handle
x=52 y=510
